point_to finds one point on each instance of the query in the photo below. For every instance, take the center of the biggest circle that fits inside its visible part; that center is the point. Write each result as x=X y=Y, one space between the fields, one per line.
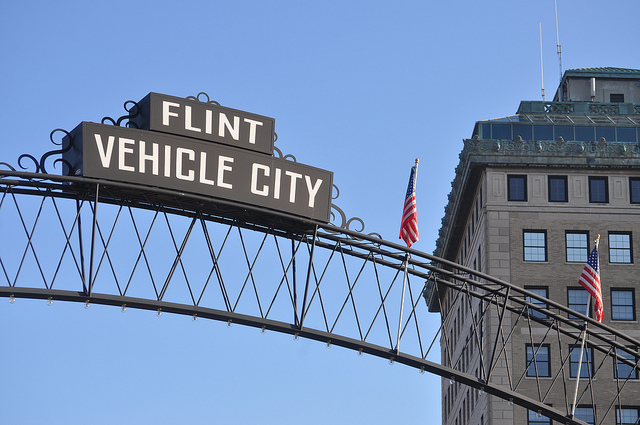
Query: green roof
x=603 y=72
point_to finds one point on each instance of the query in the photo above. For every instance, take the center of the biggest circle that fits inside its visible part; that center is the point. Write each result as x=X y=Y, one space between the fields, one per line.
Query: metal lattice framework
x=97 y=242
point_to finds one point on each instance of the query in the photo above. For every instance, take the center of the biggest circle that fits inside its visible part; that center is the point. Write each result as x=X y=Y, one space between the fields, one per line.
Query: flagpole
x=404 y=284
x=584 y=337
x=404 y=279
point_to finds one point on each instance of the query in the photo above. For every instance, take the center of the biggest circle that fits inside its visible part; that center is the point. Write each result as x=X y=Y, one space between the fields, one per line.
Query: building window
x=634 y=190
x=623 y=304
x=535 y=245
x=577 y=299
x=616 y=98
x=534 y=418
x=543 y=291
x=516 y=188
x=620 y=247
x=627 y=415
x=577 y=246
x=586 y=369
x=558 y=189
x=538 y=360
x=585 y=413
x=598 y=190
x=622 y=369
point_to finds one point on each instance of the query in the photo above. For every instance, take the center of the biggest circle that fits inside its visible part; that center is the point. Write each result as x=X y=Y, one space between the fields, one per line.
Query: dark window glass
x=501 y=131
x=609 y=133
x=577 y=299
x=623 y=370
x=558 y=189
x=585 y=413
x=586 y=369
x=626 y=134
x=543 y=291
x=585 y=134
x=634 y=190
x=538 y=360
x=516 y=188
x=627 y=415
x=524 y=131
x=577 y=246
x=486 y=131
x=598 y=190
x=535 y=418
x=616 y=98
x=535 y=245
x=620 y=247
x=564 y=131
x=543 y=132
x=623 y=304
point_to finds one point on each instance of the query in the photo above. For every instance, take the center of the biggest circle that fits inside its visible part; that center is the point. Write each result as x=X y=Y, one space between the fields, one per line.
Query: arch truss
x=97 y=242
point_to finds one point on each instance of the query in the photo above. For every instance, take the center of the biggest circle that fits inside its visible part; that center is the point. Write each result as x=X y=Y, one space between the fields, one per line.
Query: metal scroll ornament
x=40 y=165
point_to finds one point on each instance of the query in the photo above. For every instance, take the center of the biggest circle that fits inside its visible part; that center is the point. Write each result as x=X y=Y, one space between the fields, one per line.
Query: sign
x=193 y=119
x=197 y=166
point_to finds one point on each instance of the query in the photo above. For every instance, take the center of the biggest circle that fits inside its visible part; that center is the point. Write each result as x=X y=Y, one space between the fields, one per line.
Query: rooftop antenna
x=541 y=67
x=558 y=39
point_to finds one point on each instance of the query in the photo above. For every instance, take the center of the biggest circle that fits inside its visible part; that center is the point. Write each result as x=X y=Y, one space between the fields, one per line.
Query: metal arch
x=351 y=280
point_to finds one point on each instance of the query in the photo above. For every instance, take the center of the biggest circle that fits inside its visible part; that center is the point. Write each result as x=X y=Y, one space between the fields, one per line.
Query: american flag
x=409 y=226
x=590 y=280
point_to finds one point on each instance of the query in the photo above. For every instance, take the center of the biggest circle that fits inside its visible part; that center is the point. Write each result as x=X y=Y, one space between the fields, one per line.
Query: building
x=531 y=194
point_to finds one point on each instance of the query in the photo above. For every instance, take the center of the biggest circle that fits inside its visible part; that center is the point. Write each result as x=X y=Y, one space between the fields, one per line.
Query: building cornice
x=478 y=154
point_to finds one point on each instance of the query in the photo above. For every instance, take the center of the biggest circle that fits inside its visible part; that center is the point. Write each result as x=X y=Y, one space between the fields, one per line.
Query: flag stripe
x=409 y=225
x=590 y=280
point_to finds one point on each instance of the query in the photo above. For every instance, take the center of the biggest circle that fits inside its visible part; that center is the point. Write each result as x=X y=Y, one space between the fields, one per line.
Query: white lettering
x=144 y=157
x=225 y=123
x=254 y=179
x=203 y=169
x=276 y=184
x=222 y=167
x=252 y=129
x=167 y=161
x=208 y=124
x=122 y=151
x=187 y=120
x=105 y=157
x=166 y=113
x=180 y=153
x=292 y=189
x=313 y=191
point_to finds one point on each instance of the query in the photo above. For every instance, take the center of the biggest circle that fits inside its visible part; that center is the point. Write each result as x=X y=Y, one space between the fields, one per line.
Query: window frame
x=588 y=408
x=540 y=349
x=581 y=290
x=565 y=195
x=616 y=97
x=585 y=247
x=512 y=196
x=632 y=305
x=625 y=407
x=533 y=419
x=617 y=364
x=604 y=179
x=633 y=199
x=525 y=246
x=534 y=288
x=588 y=361
x=617 y=249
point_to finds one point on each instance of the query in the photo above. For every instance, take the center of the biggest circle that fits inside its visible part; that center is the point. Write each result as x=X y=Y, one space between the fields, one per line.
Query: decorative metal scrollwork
x=280 y=155
x=197 y=98
x=40 y=165
x=133 y=110
x=344 y=222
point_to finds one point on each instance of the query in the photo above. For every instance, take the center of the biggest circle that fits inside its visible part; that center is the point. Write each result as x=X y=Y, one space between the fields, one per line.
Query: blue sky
x=360 y=88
